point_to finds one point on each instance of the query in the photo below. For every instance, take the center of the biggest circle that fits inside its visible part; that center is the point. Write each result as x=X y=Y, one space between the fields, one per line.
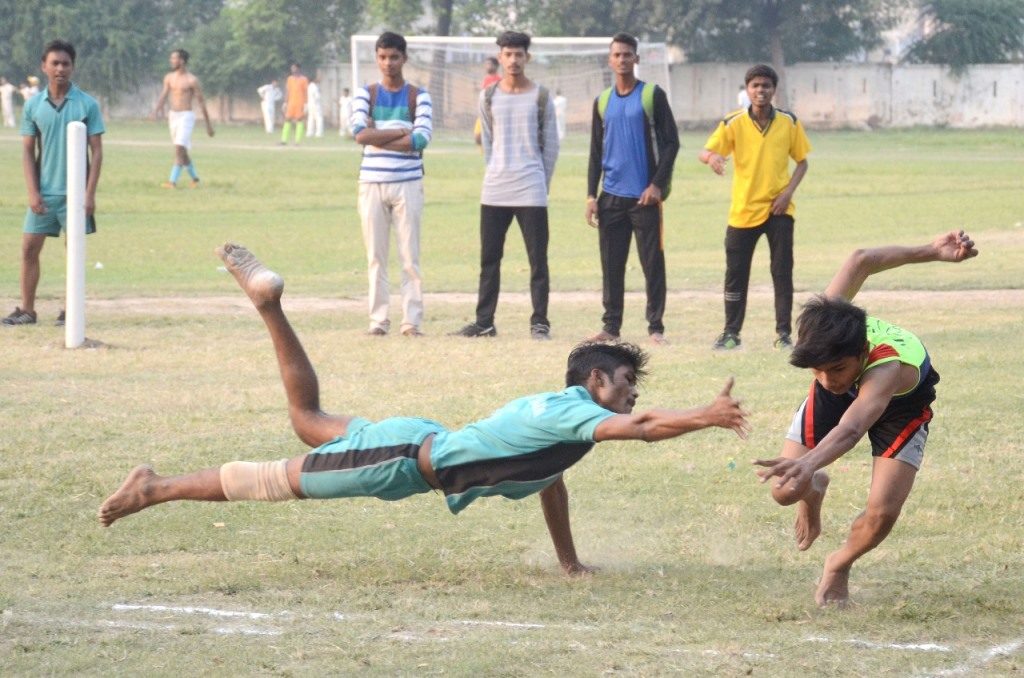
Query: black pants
x=739 y=251
x=494 y=223
x=619 y=219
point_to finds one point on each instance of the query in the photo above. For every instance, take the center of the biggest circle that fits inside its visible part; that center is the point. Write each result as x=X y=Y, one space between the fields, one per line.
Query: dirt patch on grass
x=222 y=305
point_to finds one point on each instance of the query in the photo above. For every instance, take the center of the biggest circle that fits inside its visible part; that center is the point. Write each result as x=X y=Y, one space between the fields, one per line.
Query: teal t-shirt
x=49 y=124
x=519 y=450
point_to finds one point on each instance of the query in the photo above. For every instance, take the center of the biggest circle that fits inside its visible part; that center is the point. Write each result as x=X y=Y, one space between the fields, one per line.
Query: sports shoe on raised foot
x=783 y=342
x=194 y=183
x=19 y=317
x=474 y=330
x=726 y=341
x=659 y=339
x=59 y=322
x=540 y=332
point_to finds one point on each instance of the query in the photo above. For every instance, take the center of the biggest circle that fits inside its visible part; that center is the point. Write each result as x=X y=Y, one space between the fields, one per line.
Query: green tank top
x=888 y=343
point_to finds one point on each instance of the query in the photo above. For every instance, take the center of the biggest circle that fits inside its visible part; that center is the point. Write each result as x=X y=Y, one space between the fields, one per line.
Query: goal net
x=452 y=70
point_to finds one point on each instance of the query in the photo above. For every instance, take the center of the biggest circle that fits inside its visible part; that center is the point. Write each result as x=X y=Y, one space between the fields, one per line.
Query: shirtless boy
x=870 y=377
x=521 y=449
x=181 y=87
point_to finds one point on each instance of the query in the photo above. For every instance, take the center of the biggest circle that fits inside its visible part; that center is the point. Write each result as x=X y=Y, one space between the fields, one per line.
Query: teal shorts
x=370 y=460
x=55 y=219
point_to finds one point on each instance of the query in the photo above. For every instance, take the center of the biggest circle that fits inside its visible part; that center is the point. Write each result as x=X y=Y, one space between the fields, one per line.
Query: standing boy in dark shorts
x=869 y=377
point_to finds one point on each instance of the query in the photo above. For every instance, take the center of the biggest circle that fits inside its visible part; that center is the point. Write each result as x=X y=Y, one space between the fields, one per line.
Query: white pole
x=74 y=309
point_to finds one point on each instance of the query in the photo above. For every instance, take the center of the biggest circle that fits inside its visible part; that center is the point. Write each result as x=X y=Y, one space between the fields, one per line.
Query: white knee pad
x=263 y=481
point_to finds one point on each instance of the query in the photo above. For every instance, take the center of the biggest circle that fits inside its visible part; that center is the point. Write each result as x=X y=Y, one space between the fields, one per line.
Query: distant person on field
x=29 y=88
x=520 y=146
x=742 y=99
x=314 y=109
x=45 y=165
x=491 y=76
x=296 y=91
x=181 y=87
x=561 y=109
x=7 y=91
x=391 y=120
x=344 y=112
x=633 y=146
x=523 y=448
x=762 y=139
x=269 y=94
x=870 y=377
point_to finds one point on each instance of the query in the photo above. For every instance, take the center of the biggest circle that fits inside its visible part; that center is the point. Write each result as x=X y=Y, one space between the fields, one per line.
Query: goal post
x=451 y=69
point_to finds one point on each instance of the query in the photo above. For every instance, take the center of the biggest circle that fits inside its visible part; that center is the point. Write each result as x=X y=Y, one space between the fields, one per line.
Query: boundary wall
x=822 y=95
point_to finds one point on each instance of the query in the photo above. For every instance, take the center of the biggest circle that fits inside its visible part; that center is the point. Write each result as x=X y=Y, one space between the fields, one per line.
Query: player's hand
x=717 y=163
x=650 y=196
x=954 y=246
x=36 y=204
x=90 y=205
x=781 y=202
x=209 y=130
x=590 y=213
x=796 y=472
x=727 y=412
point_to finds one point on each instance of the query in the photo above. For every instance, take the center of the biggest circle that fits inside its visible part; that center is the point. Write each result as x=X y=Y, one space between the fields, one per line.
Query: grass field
x=699 y=575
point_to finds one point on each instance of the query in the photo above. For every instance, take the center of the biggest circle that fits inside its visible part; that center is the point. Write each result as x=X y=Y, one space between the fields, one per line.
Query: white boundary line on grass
x=983 y=658
x=920 y=647
x=209 y=611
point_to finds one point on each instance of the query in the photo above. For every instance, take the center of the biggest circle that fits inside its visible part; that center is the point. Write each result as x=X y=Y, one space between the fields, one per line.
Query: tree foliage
x=971 y=32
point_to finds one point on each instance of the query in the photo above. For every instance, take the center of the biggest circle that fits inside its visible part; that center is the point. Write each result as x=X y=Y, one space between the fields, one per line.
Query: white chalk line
x=918 y=647
x=983 y=658
x=209 y=611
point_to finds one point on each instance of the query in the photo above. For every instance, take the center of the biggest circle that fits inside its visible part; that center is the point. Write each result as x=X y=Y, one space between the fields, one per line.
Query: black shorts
x=900 y=433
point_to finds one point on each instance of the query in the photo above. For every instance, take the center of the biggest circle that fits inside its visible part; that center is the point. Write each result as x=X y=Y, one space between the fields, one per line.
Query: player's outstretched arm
x=662 y=424
x=955 y=246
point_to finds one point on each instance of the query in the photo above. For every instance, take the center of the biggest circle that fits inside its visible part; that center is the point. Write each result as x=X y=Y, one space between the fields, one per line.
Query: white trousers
x=315 y=122
x=269 y=112
x=383 y=207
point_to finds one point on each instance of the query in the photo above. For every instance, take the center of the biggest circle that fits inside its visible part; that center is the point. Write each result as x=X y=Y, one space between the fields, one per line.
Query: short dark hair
x=585 y=357
x=828 y=329
x=514 y=39
x=59 y=46
x=389 y=40
x=626 y=39
x=492 y=61
x=762 y=71
x=183 y=54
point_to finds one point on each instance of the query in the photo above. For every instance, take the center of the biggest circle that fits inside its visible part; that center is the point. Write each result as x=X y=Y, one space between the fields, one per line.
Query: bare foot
x=833 y=589
x=261 y=284
x=130 y=498
x=808 y=512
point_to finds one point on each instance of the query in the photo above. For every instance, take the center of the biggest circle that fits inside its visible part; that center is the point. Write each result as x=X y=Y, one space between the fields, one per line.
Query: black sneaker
x=783 y=342
x=726 y=341
x=540 y=332
x=19 y=317
x=474 y=330
x=59 y=322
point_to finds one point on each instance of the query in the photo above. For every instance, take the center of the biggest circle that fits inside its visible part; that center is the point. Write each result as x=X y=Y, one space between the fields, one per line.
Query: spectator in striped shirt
x=391 y=119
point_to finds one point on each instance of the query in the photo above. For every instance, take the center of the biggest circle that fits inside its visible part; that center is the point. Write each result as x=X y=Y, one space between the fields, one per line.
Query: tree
x=971 y=32
x=784 y=31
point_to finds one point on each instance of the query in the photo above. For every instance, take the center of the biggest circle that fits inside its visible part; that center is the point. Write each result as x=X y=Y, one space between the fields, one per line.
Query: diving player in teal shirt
x=870 y=377
x=521 y=449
